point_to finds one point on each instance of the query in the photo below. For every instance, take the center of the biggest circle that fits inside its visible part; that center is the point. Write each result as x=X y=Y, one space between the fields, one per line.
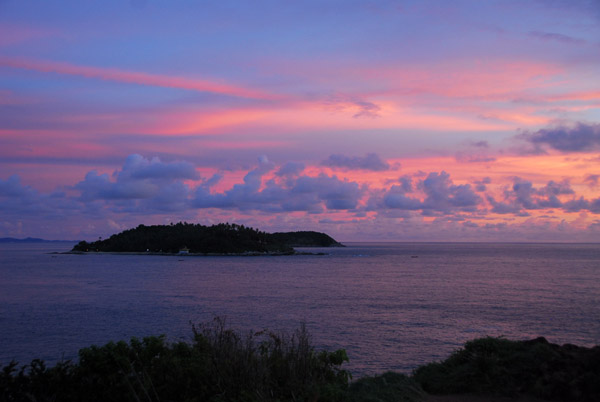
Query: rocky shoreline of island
x=185 y=255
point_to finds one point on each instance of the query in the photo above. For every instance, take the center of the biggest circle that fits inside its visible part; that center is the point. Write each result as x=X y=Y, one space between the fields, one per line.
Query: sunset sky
x=370 y=121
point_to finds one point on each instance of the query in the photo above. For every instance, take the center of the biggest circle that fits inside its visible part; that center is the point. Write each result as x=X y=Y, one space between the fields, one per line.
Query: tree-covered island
x=224 y=238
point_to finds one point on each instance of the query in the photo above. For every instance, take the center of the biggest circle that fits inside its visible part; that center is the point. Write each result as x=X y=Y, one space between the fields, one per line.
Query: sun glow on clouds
x=486 y=81
x=343 y=194
x=486 y=126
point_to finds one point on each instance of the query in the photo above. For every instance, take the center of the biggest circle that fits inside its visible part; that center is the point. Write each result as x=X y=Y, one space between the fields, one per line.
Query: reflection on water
x=392 y=306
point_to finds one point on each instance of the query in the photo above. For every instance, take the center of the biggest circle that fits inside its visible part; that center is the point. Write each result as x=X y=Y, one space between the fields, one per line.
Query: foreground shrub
x=503 y=367
x=221 y=365
x=218 y=365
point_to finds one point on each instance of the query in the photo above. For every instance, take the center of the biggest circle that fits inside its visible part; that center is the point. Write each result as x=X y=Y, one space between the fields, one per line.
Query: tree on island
x=223 y=238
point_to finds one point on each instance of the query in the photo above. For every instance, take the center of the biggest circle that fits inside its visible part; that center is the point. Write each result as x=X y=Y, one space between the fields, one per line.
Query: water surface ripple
x=392 y=306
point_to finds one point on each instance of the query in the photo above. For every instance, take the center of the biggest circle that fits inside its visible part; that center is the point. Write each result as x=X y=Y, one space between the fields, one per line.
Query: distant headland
x=32 y=240
x=194 y=239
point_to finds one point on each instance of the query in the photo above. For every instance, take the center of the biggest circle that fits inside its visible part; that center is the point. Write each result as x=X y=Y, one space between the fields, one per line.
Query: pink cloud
x=202 y=122
x=391 y=115
x=511 y=93
x=11 y=34
x=132 y=77
x=500 y=79
x=580 y=95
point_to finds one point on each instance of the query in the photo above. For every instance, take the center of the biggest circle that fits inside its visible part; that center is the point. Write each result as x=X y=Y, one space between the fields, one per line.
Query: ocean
x=392 y=306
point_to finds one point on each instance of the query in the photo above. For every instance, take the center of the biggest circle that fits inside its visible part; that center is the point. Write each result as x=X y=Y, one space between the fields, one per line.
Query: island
x=31 y=240
x=194 y=239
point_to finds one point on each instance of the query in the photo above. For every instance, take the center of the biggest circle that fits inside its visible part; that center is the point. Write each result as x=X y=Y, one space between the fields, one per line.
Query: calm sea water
x=388 y=309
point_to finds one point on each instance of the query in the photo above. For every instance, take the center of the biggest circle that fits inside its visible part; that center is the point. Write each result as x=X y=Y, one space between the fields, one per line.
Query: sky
x=469 y=120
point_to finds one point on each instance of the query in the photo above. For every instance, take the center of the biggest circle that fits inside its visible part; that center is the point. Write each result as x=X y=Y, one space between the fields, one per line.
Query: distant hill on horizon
x=223 y=238
x=32 y=240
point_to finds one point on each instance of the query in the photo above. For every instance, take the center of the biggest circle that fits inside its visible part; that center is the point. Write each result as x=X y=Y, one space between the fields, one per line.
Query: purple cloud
x=576 y=205
x=337 y=194
x=370 y=161
x=481 y=185
x=554 y=188
x=99 y=187
x=523 y=196
x=466 y=157
x=19 y=201
x=406 y=183
x=479 y=144
x=142 y=185
x=303 y=193
x=441 y=195
x=12 y=187
x=592 y=179
x=505 y=207
x=557 y=37
x=138 y=167
x=398 y=200
x=579 y=138
x=290 y=169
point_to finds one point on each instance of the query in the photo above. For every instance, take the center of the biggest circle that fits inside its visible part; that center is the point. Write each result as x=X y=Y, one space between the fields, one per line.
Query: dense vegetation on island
x=223 y=238
x=304 y=239
x=221 y=365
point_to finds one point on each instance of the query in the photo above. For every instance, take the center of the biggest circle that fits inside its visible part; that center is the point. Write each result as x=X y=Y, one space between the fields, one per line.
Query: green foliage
x=218 y=365
x=223 y=238
x=504 y=367
x=222 y=365
x=46 y=384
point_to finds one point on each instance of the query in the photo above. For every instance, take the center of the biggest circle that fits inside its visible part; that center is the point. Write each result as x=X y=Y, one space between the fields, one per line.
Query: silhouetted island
x=31 y=240
x=188 y=238
x=25 y=240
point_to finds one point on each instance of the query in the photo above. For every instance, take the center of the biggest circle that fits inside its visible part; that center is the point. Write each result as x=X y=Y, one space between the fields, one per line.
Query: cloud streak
x=553 y=36
x=133 y=77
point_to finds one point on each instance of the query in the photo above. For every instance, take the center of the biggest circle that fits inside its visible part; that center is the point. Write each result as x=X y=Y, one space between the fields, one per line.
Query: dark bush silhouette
x=222 y=365
x=504 y=367
x=218 y=365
